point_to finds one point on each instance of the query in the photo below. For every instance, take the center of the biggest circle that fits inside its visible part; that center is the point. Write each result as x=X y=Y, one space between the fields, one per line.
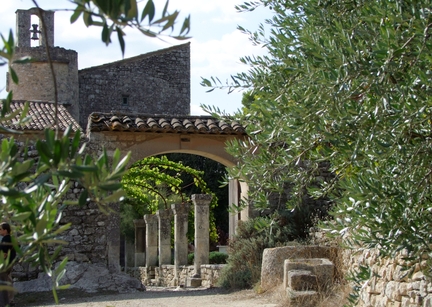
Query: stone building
x=140 y=104
x=152 y=83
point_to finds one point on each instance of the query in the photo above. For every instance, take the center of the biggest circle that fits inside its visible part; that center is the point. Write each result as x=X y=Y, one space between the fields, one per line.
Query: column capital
x=164 y=214
x=150 y=218
x=180 y=209
x=139 y=223
x=201 y=199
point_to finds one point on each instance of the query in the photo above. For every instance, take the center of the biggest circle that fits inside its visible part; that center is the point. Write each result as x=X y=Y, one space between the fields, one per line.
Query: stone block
x=302 y=281
x=322 y=268
x=272 y=270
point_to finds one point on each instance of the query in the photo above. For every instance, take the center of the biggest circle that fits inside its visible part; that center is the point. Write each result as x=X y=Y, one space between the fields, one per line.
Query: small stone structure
x=273 y=263
x=305 y=278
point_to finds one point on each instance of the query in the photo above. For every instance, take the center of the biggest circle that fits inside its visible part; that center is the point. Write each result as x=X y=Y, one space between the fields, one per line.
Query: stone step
x=300 y=280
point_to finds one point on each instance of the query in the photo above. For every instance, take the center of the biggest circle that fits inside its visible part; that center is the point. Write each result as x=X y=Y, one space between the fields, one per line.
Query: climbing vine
x=155 y=183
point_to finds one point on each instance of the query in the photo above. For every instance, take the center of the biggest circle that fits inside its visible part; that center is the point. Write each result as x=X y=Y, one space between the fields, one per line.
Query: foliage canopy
x=345 y=83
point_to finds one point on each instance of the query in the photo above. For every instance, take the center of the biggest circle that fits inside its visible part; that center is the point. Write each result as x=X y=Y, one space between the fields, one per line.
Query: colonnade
x=153 y=235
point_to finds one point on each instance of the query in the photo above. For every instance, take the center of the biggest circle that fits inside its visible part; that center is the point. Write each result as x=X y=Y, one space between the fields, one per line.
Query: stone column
x=113 y=239
x=180 y=233
x=129 y=253
x=48 y=18
x=140 y=242
x=202 y=225
x=23 y=26
x=164 y=217
x=151 y=240
x=233 y=188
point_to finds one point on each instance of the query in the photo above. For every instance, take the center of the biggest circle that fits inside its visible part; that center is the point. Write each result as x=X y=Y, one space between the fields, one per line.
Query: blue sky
x=216 y=44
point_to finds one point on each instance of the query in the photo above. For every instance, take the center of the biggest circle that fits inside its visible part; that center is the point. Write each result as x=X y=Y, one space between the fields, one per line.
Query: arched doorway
x=147 y=135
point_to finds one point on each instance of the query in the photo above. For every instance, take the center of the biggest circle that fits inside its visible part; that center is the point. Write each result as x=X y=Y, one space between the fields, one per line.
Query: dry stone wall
x=151 y=83
x=394 y=282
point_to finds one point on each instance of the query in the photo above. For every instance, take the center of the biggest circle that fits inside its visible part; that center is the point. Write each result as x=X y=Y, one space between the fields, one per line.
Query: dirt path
x=153 y=297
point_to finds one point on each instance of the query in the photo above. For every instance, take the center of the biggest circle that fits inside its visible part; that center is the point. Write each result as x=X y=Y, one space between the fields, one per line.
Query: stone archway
x=147 y=135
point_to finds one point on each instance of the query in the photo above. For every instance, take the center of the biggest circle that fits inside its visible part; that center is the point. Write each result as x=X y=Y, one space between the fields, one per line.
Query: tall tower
x=35 y=78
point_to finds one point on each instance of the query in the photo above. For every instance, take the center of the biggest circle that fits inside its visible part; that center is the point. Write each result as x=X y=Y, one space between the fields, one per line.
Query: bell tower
x=36 y=78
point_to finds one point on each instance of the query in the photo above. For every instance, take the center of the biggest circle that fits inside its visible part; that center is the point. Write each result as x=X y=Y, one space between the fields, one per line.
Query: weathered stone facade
x=155 y=83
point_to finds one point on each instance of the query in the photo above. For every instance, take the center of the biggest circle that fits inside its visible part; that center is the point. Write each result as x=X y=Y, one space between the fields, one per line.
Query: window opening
x=35 y=31
x=125 y=100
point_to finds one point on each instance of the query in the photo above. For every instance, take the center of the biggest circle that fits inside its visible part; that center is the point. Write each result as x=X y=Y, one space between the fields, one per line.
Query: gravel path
x=160 y=297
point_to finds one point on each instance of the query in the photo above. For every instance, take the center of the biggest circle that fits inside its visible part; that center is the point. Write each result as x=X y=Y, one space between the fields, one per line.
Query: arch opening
x=212 y=174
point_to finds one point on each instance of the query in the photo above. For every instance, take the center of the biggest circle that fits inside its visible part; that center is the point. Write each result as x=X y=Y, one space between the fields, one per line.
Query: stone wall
x=151 y=83
x=93 y=234
x=165 y=275
x=392 y=284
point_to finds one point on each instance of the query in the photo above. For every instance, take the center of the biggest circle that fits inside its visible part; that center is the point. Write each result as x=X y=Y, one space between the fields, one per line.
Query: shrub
x=214 y=258
x=217 y=258
x=191 y=258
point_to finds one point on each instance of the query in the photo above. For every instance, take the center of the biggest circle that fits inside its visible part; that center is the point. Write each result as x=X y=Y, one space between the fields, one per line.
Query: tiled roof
x=43 y=116
x=181 y=124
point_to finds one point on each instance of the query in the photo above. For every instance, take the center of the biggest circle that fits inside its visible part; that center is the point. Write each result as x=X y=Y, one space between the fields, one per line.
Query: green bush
x=218 y=258
x=190 y=258
x=214 y=258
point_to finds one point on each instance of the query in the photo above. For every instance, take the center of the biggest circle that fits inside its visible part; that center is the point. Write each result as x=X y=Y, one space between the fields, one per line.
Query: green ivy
x=155 y=183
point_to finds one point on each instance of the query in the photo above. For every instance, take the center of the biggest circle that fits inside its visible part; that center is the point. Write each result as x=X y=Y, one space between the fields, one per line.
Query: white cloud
x=203 y=6
x=222 y=56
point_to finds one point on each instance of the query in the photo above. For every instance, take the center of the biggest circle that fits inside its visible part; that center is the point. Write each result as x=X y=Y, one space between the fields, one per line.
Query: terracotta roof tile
x=43 y=116
x=181 y=124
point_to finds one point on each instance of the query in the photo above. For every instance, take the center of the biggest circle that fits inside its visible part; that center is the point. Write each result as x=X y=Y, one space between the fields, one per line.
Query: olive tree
x=347 y=84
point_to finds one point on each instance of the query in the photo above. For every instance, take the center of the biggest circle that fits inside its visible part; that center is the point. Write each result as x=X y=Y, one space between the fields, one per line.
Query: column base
x=194 y=282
